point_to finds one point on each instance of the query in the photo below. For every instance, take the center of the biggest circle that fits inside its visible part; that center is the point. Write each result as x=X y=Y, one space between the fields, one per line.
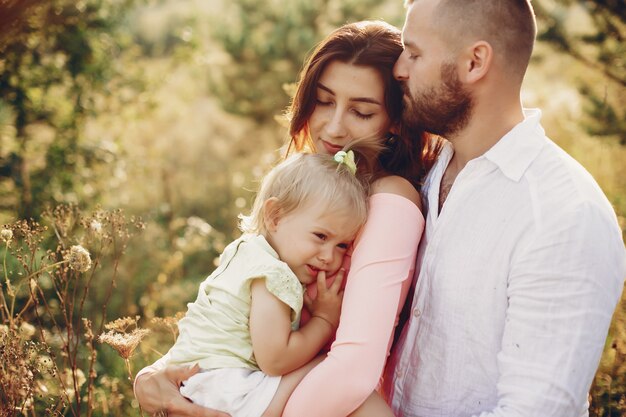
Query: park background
x=139 y=130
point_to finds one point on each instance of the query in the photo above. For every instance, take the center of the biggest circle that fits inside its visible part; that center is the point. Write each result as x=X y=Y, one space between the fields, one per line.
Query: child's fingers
x=338 y=280
x=321 y=282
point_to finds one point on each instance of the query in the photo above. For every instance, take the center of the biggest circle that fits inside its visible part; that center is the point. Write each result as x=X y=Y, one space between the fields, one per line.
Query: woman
x=346 y=92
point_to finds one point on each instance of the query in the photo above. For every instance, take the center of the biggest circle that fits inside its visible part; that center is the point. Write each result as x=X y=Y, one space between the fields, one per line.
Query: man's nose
x=400 y=71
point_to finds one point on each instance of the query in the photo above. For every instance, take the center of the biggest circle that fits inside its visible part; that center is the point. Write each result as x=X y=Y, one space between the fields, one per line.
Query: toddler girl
x=243 y=329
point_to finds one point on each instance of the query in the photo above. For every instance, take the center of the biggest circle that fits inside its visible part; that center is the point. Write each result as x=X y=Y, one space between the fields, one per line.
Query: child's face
x=310 y=240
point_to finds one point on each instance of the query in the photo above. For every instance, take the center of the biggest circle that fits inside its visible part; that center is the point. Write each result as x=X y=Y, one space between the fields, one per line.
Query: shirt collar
x=516 y=150
x=261 y=242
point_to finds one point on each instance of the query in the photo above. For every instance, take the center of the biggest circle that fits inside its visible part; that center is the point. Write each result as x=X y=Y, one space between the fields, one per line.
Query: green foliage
x=54 y=63
x=265 y=46
x=593 y=33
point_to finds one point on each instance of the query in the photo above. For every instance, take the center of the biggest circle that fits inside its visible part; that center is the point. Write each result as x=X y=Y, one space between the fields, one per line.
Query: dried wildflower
x=122 y=323
x=165 y=321
x=44 y=363
x=124 y=343
x=95 y=226
x=6 y=235
x=19 y=372
x=170 y=323
x=79 y=259
x=89 y=336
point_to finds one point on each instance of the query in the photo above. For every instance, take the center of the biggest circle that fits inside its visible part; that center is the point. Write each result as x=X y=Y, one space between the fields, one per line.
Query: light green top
x=215 y=331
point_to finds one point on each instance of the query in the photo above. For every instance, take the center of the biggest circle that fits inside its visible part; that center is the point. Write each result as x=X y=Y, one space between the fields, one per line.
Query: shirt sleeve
x=380 y=275
x=284 y=285
x=563 y=289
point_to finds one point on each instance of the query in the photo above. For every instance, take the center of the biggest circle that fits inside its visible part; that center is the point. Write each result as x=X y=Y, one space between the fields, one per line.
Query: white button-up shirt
x=517 y=280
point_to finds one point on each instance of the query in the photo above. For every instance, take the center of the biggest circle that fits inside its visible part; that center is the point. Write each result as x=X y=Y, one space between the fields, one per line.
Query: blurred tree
x=598 y=43
x=55 y=57
x=265 y=46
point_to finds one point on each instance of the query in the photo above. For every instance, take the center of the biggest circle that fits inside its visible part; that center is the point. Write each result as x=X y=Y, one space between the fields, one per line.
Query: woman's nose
x=336 y=124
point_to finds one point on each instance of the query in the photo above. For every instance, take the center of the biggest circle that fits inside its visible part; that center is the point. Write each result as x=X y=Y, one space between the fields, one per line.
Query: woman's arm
x=378 y=280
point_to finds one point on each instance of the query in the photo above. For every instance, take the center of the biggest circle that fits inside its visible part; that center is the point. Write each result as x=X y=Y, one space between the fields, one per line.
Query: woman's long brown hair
x=377 y=45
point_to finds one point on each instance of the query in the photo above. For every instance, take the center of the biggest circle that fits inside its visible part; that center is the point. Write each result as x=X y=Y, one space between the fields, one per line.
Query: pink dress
x=380 y=275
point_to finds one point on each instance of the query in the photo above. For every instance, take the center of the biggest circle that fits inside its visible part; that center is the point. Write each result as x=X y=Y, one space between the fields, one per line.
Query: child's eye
x=343 y=245
x=320 y=236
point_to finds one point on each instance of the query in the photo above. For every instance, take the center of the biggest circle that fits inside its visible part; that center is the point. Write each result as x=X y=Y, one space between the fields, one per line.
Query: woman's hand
x=159 y=391
x=327 y=304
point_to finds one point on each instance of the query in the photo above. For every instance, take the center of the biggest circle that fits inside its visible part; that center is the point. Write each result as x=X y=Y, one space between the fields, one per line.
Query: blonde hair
x=303 y=179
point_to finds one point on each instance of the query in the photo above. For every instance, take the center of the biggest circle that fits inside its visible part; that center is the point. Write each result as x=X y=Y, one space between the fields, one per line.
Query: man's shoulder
x=559 y=183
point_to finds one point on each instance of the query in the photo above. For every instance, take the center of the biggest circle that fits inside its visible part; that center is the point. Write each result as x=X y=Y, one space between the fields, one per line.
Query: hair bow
x=346 y=158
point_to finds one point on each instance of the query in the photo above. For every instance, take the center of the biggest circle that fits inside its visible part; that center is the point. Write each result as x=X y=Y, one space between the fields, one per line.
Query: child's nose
x=326 y=254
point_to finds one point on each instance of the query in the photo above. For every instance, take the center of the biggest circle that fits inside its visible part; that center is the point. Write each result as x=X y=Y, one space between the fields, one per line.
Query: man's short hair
x=507 y=25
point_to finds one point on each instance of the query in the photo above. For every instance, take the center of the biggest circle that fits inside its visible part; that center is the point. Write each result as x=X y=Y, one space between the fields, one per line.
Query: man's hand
x=159 y=390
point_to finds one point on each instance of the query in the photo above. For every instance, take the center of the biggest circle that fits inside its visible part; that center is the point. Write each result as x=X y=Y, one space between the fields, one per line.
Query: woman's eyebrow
x=361 y=99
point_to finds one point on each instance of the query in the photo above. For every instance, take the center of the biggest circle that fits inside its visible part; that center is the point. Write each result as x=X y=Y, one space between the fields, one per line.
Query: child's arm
x=279 y=350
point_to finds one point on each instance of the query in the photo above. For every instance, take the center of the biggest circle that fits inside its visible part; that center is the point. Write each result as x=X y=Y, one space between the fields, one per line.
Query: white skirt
x=240 y=392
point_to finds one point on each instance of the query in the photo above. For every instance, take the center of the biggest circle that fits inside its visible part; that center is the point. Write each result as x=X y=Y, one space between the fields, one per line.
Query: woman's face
x=350 y=104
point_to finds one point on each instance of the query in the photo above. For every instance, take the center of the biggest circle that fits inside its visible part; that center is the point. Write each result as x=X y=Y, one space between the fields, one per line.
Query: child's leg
x=374 y=406
x=288 y=384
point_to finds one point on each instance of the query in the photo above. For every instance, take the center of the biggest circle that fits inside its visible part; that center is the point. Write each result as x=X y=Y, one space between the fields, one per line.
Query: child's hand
x=327 y=304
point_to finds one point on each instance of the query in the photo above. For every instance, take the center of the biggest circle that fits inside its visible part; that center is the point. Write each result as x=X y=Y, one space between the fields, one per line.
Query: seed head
x=6 y=235
x=124 y=343
x=79 y=259
x=95 y=226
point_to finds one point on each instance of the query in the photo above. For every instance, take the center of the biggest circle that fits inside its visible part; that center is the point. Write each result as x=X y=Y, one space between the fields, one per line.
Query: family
x=482 y=263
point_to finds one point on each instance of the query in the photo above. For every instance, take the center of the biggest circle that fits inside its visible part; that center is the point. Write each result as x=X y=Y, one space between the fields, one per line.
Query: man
x=522 y=261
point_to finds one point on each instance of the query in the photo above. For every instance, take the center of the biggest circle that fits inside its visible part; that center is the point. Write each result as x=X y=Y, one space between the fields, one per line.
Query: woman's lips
x=330 y=148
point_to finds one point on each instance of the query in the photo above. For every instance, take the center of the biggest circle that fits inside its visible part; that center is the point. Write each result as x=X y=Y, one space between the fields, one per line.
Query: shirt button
x=416 y=312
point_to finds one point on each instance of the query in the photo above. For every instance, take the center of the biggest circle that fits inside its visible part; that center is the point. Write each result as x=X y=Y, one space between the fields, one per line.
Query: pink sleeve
x=380 y=275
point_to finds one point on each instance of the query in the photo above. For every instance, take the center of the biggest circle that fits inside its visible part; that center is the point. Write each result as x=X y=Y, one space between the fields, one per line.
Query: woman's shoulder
x=395 y=184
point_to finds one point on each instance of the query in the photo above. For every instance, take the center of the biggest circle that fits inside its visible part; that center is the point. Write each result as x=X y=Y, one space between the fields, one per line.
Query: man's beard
x=442 y=110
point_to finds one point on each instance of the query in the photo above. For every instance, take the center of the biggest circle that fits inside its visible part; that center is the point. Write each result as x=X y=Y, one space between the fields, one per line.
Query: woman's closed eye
x=364 y=116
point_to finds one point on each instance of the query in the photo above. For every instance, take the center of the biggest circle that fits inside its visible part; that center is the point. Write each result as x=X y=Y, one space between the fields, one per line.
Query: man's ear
x=477 y=61
x=271 y=214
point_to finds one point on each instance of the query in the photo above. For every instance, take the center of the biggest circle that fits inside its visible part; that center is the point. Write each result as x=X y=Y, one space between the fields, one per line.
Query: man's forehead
x=420 y=21
x=414 y=22
x=420 y=12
